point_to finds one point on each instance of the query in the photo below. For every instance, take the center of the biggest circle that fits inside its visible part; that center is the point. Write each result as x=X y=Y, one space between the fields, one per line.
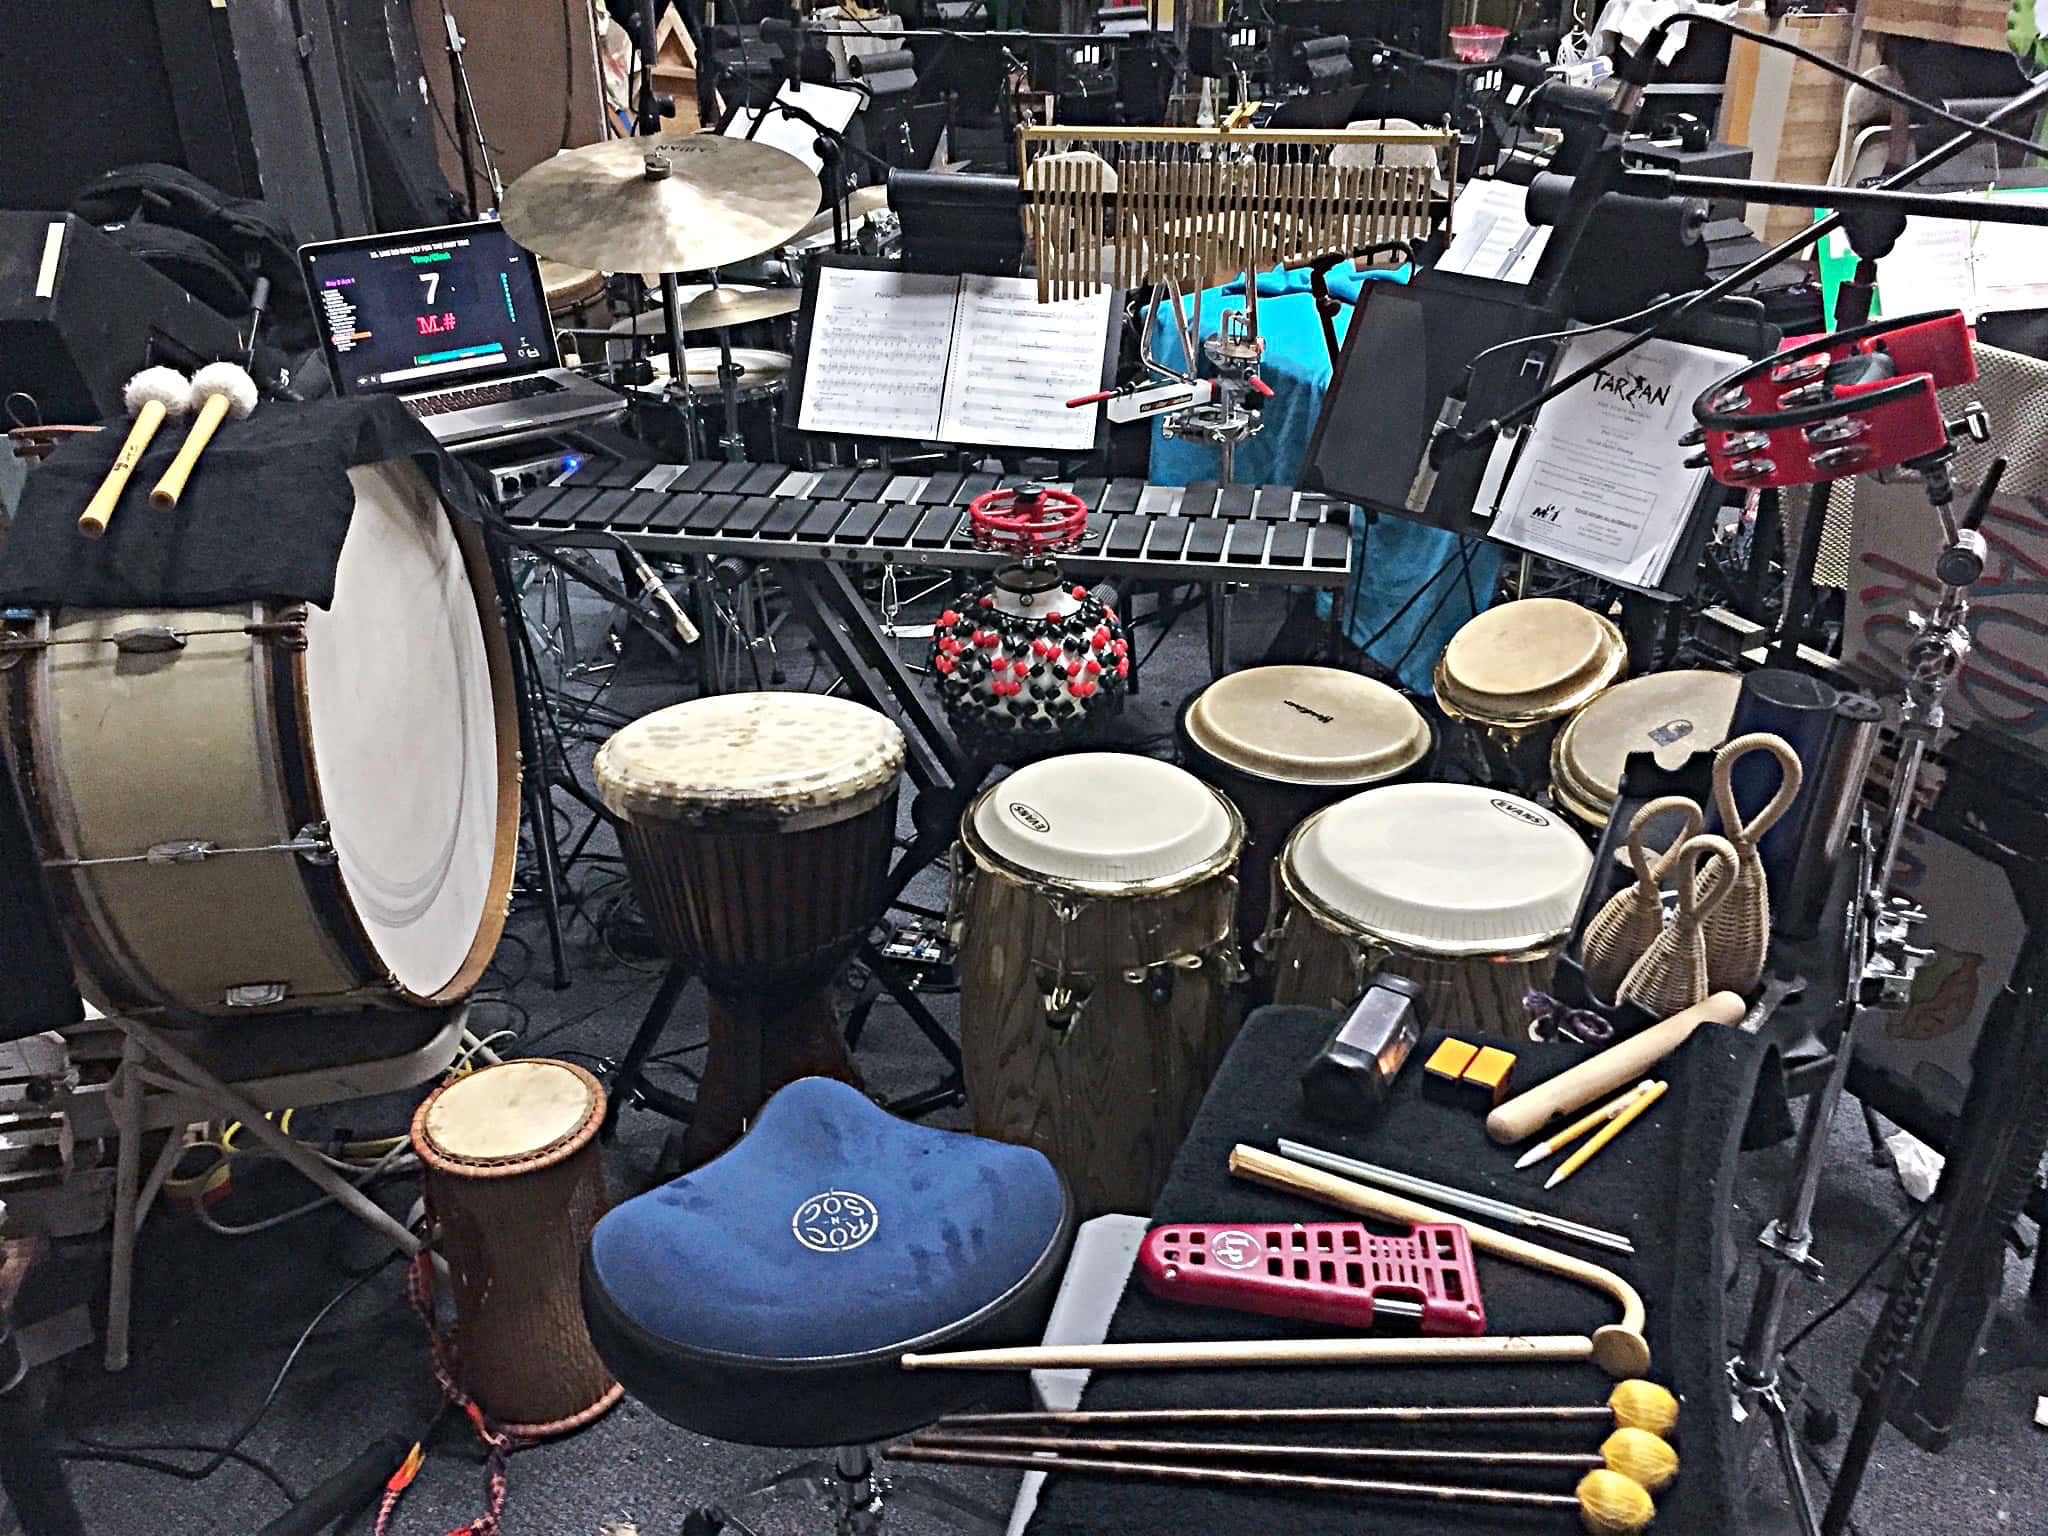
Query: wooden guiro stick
x=1618 y=1349
x=1488 y=1349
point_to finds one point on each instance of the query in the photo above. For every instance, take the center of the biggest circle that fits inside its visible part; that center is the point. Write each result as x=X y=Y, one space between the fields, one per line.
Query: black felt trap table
x=1666 y=1182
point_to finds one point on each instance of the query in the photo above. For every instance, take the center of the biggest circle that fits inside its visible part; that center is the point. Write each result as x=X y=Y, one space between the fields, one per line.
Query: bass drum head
x=404 y=717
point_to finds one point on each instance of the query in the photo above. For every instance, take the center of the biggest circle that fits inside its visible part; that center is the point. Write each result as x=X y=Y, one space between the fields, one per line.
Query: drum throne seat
x=768 y=1296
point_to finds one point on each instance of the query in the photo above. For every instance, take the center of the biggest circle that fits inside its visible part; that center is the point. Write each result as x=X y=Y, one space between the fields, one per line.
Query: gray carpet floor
x=216 y=1316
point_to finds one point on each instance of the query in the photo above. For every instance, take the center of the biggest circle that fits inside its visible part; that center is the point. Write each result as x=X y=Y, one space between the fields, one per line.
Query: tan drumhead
x=516 y=1110
x=1668 y=714
x=1540 y=657
x=1308 y=725
x=1447 y=869
x=784 y=760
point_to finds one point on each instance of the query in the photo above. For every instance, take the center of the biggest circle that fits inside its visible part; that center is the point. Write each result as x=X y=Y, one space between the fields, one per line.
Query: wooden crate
x=1786 y=111
x=1970 y=23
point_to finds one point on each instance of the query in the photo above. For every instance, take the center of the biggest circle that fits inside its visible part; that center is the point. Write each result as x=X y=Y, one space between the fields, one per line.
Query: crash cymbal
x=721 y=307
x=862 y=202
x=681 y=202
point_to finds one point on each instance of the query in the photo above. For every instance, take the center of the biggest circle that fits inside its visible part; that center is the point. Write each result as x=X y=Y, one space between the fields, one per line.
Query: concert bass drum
x=1094 y=899
x=1469 y=891
x=269 y=806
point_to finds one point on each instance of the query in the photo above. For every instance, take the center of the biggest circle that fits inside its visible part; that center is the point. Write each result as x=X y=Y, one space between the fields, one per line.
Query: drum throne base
x=824 y=1217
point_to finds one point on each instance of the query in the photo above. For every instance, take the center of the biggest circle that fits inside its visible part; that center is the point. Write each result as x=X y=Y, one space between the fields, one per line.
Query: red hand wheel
x=1027 y=520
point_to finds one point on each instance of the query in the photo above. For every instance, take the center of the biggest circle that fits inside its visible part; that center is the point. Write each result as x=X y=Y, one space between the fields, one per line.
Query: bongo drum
x=1521 y=667
x=1670 y=715
x=1469 y=891
x=1093 y=904
x=1282 y=742
x=514 y=1184
x=757 y=829
x=275 y=807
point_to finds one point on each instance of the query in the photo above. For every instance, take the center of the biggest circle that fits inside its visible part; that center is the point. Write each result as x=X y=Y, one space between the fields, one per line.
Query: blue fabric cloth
x=832 y=1228
x=1399 y=621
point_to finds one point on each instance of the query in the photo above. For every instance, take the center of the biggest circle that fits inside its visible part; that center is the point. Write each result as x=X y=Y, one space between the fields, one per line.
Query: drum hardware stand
x=856 y=1492
x=1881 y=965
x=468 y=125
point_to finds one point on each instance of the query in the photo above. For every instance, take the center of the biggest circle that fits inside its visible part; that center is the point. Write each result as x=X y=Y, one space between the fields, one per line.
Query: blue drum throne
x=768 y=1296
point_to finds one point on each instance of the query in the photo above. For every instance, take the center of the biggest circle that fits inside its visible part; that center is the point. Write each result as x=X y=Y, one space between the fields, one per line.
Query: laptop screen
x=428 y=309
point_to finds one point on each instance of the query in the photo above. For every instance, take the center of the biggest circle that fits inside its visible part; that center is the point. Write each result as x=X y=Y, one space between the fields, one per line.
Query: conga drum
x=1094 y=900
x=513 y=1185
x=279 y=807
x=1519 y=669
x=1281 y=742
x=757 y=829
x=1469 y=891
x=1670 y=715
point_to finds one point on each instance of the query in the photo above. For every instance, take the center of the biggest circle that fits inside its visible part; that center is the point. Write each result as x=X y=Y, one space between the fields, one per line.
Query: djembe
x=756 y=829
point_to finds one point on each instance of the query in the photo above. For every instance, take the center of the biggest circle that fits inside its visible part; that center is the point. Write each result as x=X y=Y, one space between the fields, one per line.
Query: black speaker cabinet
x=79 y=315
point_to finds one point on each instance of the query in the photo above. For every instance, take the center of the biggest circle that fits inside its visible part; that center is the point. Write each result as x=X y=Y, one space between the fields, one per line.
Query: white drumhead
x=515 y=1109
x=1104 y=817
x=791 y=759
x=1445 y=868
x=405 y=736
x=1308 y=725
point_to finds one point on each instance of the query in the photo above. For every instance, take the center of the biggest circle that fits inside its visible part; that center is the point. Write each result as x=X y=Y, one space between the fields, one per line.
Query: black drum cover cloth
x=1667 y=1184
x=263 y=519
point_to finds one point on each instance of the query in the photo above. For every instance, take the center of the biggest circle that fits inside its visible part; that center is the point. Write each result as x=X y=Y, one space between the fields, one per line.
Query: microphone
x=652 y=586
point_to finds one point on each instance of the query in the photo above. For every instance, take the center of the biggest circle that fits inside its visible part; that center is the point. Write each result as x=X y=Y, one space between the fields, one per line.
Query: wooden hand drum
x=1517 y=670
x=1283 y=742
x=1469 y=891
x=1093 y=903
x=757 y=828
x=514 y=1186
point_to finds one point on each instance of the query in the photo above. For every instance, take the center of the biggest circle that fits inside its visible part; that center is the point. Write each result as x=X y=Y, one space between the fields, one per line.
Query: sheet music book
x=1490 y=235
x=1979 y=268
x=974 y=359
x=832 y=105
x=1598 y=480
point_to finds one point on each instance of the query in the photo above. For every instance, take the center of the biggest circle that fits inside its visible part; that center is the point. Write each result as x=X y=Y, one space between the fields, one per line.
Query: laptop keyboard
x=446 y=400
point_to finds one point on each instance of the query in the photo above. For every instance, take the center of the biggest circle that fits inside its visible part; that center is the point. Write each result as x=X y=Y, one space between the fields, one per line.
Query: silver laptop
x=453 y=321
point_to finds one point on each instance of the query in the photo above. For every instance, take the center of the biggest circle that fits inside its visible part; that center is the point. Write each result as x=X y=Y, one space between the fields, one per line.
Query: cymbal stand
x=468 y=125
x=728 y=392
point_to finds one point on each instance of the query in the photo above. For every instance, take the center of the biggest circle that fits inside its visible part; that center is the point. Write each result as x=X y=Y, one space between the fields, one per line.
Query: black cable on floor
x=1855 y=1286
x=219 y=1456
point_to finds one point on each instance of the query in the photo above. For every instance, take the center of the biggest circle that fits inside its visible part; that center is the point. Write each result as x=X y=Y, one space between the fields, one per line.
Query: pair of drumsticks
x=215 y=392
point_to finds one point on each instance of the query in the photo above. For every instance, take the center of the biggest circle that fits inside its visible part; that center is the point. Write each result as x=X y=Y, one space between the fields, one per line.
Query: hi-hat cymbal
x=710 y=200
x=861 y=202
x=721 y=307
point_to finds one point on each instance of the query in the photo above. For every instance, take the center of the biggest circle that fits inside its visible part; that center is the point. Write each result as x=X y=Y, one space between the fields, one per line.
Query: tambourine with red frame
x=1023 y=664
x=1846 y=403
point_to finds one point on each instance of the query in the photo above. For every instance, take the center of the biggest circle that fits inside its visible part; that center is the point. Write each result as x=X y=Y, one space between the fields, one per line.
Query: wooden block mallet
x=152 y=395
x=219 y=390
x=1612 y=1069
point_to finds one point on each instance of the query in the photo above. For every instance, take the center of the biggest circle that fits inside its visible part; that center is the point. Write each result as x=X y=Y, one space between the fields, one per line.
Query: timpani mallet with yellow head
x=218 y=391
x=150 y=396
